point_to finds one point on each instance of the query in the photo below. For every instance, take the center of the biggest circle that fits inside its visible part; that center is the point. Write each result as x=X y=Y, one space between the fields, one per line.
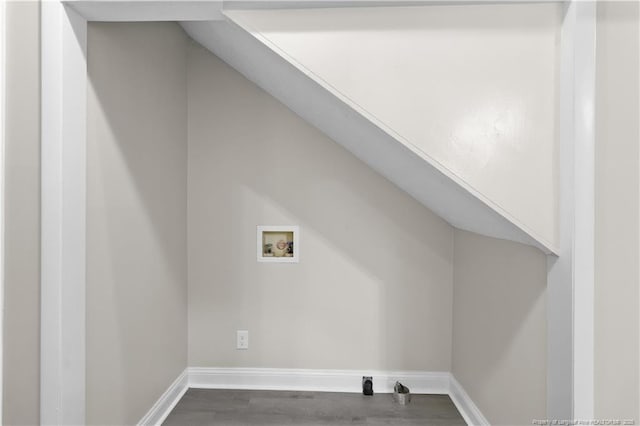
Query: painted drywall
x=499 y=327
x=472 y=88
x=21 y=357
x=136 y=217
x=373 y=288
x=617 y=362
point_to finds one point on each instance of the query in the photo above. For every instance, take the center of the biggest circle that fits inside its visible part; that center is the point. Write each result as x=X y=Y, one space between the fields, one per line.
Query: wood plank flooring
x=241 y=407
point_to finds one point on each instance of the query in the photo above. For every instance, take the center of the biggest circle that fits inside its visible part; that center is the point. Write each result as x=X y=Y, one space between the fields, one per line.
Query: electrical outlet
x=242 y=339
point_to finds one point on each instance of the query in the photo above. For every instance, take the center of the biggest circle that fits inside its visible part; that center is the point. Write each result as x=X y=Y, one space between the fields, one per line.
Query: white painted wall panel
x=373 y=289
x=499 y=327
x=136 y=217
x=473 y=88
x=21 y=334
x=617 y=278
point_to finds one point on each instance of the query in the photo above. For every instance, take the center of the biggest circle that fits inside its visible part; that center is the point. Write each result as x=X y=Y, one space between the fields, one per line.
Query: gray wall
x=373 y=289
x=136 y=217
x=21 y=391
x=617 y=253
x=499 y=327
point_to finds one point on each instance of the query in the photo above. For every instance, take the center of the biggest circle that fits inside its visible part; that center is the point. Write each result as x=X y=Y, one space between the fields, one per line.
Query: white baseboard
x=420 y=382
x=163 y=406
x=465 y=405
x=315 y=380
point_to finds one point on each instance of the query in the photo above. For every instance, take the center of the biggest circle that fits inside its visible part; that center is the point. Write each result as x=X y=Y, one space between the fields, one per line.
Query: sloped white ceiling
x=455 y=104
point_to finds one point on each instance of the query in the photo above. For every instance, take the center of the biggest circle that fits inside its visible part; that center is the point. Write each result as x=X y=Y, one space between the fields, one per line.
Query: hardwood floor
x=241 y=407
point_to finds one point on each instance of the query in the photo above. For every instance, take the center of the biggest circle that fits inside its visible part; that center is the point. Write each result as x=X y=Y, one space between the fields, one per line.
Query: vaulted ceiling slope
x=455 y=105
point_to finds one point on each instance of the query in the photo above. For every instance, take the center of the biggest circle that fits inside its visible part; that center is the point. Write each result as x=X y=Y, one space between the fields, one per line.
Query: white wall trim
x=560 y=269
x=584 y=209
x=167 y=401
x=315 y=380
x=3 y=80
x=570 y=279
x=147 y=10
x=311 y=380
x=469 y=410
x=63 y=246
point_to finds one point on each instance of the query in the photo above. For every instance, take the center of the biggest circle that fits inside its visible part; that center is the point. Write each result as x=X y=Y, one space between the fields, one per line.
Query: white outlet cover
x=242 y=339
